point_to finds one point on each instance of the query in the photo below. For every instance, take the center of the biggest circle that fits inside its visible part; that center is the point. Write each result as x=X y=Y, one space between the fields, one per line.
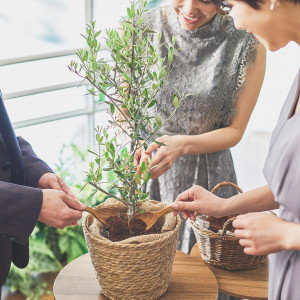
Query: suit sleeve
x=20 y=209
x=21 y=204
x=34 y=167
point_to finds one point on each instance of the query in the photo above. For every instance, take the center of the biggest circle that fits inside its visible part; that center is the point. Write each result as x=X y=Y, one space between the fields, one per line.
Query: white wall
x=249 y=155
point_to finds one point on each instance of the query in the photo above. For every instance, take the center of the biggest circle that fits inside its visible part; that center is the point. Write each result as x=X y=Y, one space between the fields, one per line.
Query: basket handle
x=225 y=227
x=225 y=183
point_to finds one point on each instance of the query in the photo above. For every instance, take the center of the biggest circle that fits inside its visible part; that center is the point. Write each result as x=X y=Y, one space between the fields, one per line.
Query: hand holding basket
x=222 y=248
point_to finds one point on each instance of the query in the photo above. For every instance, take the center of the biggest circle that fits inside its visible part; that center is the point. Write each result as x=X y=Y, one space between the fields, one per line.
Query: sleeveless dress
x=282 y=172
x=211 y=66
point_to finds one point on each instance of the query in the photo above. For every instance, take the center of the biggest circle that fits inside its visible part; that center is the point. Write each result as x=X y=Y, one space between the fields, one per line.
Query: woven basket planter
x=222 y=249
x=136 y=268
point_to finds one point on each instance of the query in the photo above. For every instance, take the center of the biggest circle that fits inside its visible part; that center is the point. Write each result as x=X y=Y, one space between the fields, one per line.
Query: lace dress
x=211 y=66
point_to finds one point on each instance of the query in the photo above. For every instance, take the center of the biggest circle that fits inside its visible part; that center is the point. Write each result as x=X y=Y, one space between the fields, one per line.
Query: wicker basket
x=136 y=268
x=222 y=249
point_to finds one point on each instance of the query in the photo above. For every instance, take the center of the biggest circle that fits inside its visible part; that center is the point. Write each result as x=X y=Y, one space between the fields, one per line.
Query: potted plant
x=138 y=267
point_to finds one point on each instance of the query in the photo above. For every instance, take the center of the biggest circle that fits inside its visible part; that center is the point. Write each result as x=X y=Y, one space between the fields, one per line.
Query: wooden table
x=191 y=279
x=249 y=284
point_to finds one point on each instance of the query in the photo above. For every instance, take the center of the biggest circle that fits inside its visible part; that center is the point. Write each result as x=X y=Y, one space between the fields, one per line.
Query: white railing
x=90 y=109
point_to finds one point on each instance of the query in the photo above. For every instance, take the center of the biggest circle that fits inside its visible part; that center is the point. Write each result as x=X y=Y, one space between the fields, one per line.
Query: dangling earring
x=221 y=12
x=273 y=4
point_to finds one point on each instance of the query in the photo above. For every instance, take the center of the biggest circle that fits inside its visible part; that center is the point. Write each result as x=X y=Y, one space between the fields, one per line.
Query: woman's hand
x=165 y=155
x=140 y=156
x=198 y=199
x=262 y=233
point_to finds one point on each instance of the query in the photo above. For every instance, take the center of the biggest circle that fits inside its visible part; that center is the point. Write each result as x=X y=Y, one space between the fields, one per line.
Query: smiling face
x=265 y=24
x=193 y=14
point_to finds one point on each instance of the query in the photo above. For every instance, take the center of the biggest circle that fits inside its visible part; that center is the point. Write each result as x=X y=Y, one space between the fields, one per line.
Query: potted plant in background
x=138 y=267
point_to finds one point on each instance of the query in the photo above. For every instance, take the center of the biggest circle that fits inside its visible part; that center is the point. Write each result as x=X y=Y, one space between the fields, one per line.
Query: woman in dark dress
x=275 y=24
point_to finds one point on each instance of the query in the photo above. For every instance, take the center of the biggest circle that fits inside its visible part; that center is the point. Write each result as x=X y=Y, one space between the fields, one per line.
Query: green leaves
x=120 y=174
x=128 y=80
x=146 y=172
x=132 y=10
x=126 y=77
x=159 y=36
x=112 y=108
x=170 y=55
x=137 y=178
x=146 y=177
x=129 y=13
x=143 y=167
x=173 y=40
x=149 y=74
x=158 y=120
x=151 y=50
x=162 y=73
x=175 y=101
x=159 y=143
x=105 y=133
x=152 y=103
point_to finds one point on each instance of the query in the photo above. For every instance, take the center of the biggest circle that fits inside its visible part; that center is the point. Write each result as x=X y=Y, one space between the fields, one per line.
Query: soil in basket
x=117 y=229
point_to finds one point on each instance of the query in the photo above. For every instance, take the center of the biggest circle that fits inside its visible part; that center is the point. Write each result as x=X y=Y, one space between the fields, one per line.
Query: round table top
x=191 y=279
x=249 y=284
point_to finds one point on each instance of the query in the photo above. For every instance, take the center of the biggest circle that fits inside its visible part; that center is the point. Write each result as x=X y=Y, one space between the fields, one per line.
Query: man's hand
x=53 y=181
x=261 y=233
x=59 y=209
x=198 y=199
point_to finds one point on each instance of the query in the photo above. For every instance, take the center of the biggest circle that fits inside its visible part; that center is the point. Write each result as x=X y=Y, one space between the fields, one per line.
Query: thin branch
x=110 y=98
x=117 y=123
x=106 y=193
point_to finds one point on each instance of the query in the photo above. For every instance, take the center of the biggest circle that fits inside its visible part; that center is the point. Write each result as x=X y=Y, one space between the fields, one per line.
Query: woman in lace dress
x=223 y=69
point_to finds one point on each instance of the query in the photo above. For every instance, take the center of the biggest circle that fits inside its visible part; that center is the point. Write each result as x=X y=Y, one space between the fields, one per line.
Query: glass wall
x=40 y=26
x=45 y=101
x=38 y=41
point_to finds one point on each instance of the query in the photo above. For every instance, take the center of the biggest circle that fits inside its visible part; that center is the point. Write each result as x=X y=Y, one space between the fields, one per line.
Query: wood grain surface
x=191 y=279
x=248 y=284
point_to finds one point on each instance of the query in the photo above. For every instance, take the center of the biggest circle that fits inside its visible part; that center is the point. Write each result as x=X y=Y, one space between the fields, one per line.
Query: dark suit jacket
x=20 y=200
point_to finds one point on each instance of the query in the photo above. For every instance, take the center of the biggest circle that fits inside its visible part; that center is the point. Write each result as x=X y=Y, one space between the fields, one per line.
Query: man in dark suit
x=29 y=191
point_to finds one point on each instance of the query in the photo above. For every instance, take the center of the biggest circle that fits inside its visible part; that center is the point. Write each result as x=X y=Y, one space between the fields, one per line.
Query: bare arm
x=228 y=137
x=198 y=199
x=215 y=140
x=260 y=199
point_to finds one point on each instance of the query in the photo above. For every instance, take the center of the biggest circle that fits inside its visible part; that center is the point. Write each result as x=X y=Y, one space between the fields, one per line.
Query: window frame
x=91 y=107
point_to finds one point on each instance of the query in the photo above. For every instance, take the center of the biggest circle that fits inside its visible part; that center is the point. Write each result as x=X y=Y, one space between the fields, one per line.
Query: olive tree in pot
x=138 y=267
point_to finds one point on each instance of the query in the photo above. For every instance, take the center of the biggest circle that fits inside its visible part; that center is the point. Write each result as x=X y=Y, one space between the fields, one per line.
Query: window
x=34 y=27
x=39 y=39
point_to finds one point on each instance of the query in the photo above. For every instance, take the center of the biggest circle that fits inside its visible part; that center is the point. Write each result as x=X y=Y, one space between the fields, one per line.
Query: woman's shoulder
x=235 y=34
x=154 y=15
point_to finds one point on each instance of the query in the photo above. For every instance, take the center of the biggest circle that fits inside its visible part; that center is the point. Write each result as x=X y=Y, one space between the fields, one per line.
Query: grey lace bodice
x=211 y=66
